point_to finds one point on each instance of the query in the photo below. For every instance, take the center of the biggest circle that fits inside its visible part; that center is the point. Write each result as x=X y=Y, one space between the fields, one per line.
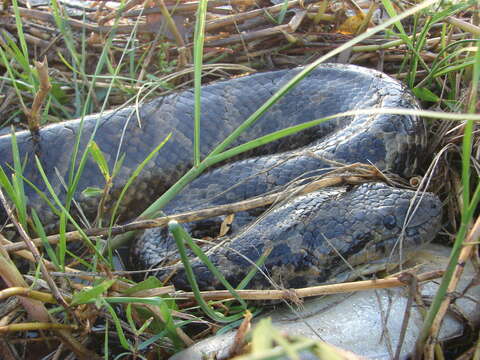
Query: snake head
x=385 y=223
x=315 y=237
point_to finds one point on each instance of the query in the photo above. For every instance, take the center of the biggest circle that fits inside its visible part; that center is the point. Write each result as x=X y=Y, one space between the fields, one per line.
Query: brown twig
x=196 y=215
x=240 y=336
x=188 y=7
x=45 y=86
x=129 y=5
x=465 y=26
x=13 y=278
x=184 y=57
x=6 y=352
x=77 y=24
x=292 y=26
x=237 y=18
x=390 y=282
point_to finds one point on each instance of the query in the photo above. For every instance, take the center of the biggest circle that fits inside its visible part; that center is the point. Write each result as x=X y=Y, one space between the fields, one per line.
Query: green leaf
x=84 y=296
x=170 y=326
x=153 y=339
x=58 y=93
x=118 y=325
x=92 y=191
x=262 y=339
x=118 y=165
x=130 y=319
x=150 y=283
x=99 y=159
x=17 y=182
x=425 y=94
x=180 y=234
x=145 y=325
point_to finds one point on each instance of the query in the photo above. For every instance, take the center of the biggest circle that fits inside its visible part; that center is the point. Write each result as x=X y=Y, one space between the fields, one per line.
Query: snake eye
x=389 y=221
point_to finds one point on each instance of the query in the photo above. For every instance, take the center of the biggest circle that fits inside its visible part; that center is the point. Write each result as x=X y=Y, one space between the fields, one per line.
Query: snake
x=311 y=237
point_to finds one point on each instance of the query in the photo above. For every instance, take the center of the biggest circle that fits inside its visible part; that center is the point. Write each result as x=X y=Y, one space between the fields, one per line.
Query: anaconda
x=390 y=142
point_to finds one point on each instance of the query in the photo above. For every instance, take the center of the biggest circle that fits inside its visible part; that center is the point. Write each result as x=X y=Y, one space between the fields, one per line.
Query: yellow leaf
x=351 y=25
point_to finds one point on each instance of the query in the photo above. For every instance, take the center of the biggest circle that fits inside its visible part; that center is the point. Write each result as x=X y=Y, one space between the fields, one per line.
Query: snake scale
x=310 y=234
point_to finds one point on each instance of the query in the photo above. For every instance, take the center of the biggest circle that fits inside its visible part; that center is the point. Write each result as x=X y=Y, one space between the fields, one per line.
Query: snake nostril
x=389 y=221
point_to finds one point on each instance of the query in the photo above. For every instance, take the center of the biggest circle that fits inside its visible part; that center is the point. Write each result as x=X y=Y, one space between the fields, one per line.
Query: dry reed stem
x=236 y=18
x=27 y=292
x=37 y=326
x=189 y=7
x=465 y=26
x=13 y=278
x=289 y=294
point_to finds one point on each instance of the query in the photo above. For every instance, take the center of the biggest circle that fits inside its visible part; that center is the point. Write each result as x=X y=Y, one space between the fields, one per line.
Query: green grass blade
x=198 y=61
x=21 y=38
x=134 y=175
x=415 y=49
x=468 y=131
x=201 y=255
x=6 y=185
x=17 y=183
x=106 y=342
x=100 y=160
x=258 y=264
x=468 y=211
x=283 y=12
x=118 y=326
x=63 y=209
x=180 y=235
x=85 y=296
x=18 y=56
x=42 y=235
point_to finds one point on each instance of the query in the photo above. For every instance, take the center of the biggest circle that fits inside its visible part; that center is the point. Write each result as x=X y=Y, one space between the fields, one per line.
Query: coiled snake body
x=359 y=223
